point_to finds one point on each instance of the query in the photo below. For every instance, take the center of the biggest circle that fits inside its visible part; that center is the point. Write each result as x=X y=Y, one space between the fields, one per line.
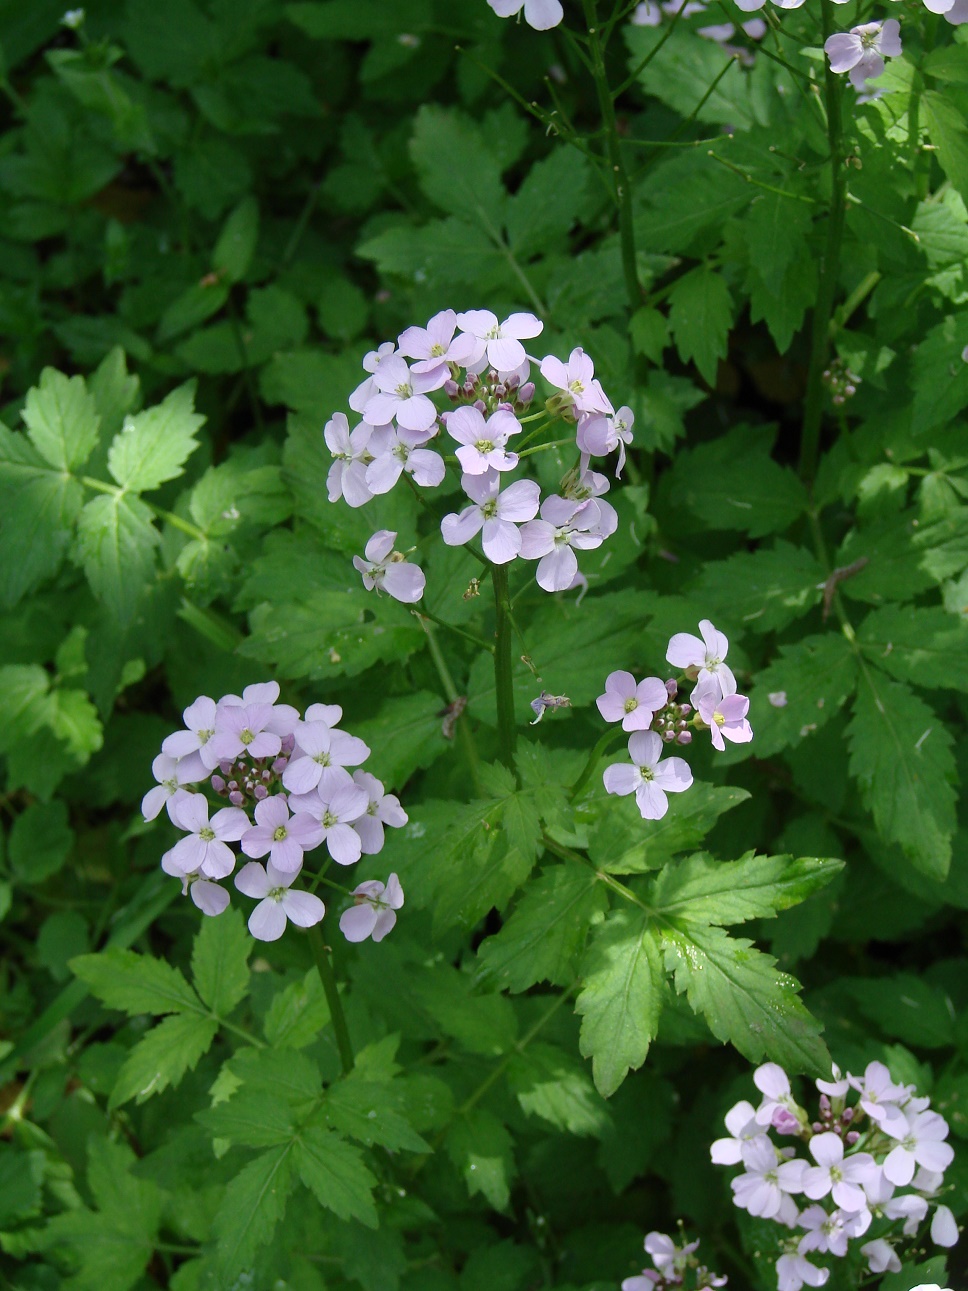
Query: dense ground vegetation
x=212 y=215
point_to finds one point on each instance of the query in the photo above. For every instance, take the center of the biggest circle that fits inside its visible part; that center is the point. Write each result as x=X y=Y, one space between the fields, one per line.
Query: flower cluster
x=675 y=1266
x=875 y=1166
x=652 y=712
x=291 y=784
x=480 y=367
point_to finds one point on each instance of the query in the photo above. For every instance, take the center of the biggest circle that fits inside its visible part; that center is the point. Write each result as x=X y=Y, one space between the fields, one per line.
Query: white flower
x=394 y=451
x=832 y=1173
x=539 y=14
x=335 y=808
x=200 y=719
x=374 y=911
x=742 y=1125
x=881 y=1257
x=944 y=1228
x=381 y=809
x=921 y=1138
x=497 y=513
x=206 y=849
x=347 y=475
x=862 y=50
x=168 y=790
x=267 y=922
x=564 y=525
x=761 y=1189
x=385 y=570
x=501 y=342
x=793 y=1272
x=705 y=656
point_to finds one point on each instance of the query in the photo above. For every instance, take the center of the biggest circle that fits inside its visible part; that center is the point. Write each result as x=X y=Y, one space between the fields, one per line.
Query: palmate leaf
x=900 y=754
x=700 y=317
x=928 y=647
x=551 y=1084
x=624 y=982
x=811 y=681
x=334 y=1171
x=744 y=999
x=773 y=585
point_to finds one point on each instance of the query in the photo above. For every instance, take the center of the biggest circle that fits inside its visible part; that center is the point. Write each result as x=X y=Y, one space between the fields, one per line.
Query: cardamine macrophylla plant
x=876 y=1163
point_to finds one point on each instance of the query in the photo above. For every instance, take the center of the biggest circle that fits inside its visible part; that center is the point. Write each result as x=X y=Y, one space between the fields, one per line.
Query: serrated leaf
x=154 y=445
x=546 y=930
x=946 y=128
x=907 y=1008
x=940 y=375
x=900 y=754
x=61 y=420
x=297 y=1014
x=116 y=542
x=924 y=646
x=551 y=1085
x=134 y=983
x=775 y=229
x=75 y=722
x=40 y=841
x=700 y=317
x=706 y=891
x=254 y=1202
x=278 y=1072
x=38 y=508
x=548 y=203
x=236 y=243
x=220 y=968
x=770 y=587
x=481 y=1149
x=732 y=482
x=163 y=1056
x=457 y=170
x=363 y=1110
x=251 y=1120
x=621 y=998
x=810 y=682
x=334 y=1171
x=620 y=843
x=745 y=1000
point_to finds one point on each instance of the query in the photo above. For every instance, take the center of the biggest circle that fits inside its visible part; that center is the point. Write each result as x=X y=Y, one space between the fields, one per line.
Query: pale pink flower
x=761 y=1189
x=879 y=1095
x=385 y=570
x=200 y=718
x=382 y=808
x=539 y=14
x=564 y=525
x=844 y=1178
x=245 y=728
x=434 y=346
x=368 y=388
x=402 y=394
x=921 y=1141
x=743 y=1126
x=321 y=756
x=576 y=378
x=394 y=450
x=169 y=789
x=706 y=657
x=282 y=837
x=501 y=342
x=497 y=514
x=881 y=1256
x=347 y=475
x=483 y=443
x=267 y=922
x=599 y=434
x=206 y=849
x=335 y=807
x=944 y=1227
x=793 y=1272
x=650 y=777
x=632 y=703
x=724 y=714
x=374 y=911
x=862 y=50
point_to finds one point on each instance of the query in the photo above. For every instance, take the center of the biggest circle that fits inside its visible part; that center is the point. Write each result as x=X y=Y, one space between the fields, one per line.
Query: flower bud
x=851 y=1138
x=847 y=1115
x=527 y=392
x=266 y=776
x=288 y=744
x=669 y=736
x=672 y=688
x=684 y=737
x=280 y=765
x=824 y=1102
x=233 y=785
x=685 y=710
x=451 y=388
x=236 y=798
x=481 y=406
x=225 y=768
x=218 y=784
x=260 y=792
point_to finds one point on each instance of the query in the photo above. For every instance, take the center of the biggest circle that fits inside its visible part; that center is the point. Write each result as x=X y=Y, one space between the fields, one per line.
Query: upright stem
x=829 y=265
x=596 y=755
x=620 y=180
x=324 y=966
x=503 y=675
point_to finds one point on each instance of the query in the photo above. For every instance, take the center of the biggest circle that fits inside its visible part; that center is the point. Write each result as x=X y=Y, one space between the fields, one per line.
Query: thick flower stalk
x=292 y=785
x=869 y=1171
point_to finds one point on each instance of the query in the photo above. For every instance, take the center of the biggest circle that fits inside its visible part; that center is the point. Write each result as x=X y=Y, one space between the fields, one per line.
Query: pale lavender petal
x=645 y=748
x=219 y=860
x=427 y=467
x=522 y=326
x=537 y=539
x=303 y=908
x=153 y=801
x=612 y=707
x=349 y=801
x=844 y=51
x=357 y=922
x=686 y=651
x=258 y=841
x=191 y=813
x=458 y=529
x=557 y=570
x=265 y=744
x=188 y=854
x=382 y=473
x=344 y=844
x=404 y=582
x=209 y=897
x=287 y=856
x=267 y=922
x=501 y=541
x=505 y=353
x=302 y=775
x=372 y=837
x=673 y=774
x=380 y=545
x=385 y=921
x=651 y=801
x=230 y=824
x=306 y=830
x=180 y=744
x=252 y=880
x=890 y=41
x=519 y=501
x=621 y=778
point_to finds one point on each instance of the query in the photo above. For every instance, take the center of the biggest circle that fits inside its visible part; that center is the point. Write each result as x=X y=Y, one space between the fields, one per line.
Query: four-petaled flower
x=402 y=394
x=206 y=849
x=632 y=703
x=862 y=50
x=282 y=837
x=724 y=714
x=564 y=525
x=277 y=903
x=704 y=657
x=542 y=15
x=649 y=778
x=576 y=378
x=374 y=910
x=386 y=570
x=497 y=513
x=500 y=342
x=483 y=443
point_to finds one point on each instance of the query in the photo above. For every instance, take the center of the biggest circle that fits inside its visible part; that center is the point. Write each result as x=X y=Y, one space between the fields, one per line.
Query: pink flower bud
x=851 y=1138
x=672 y=687
x=685 y=709
x=847 y=1115
x=280 y=765
x=288 y=744
x=233 y=785
x=527 y=391
x=218 y=784
x=669 y=736
x=824 y=1104
x=266 y=776
x=225 y=768
x=480 y=405
x=451 y=388
x=684 y=737
x=236 y=798
x=260 y=792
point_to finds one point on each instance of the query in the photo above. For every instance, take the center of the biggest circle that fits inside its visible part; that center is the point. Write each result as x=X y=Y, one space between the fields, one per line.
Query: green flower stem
x=462 y=726
x=186 y=526
x=829 y=265
x=422 y=614
x=610 y=737
x=503 y=675
x=324 y=966
x=622 y=189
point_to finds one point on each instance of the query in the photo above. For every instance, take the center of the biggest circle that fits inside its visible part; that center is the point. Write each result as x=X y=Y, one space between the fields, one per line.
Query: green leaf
x=364 y=1110
x=61 y=420
x=621 y=844
x=702 y=890
x=900 y=754
x=546 y=931
x=254 y=1202
x=38 y=508
x=621 y=998
x=700 y=317
x=776 y=227
x=163 y=1056
x=220 y=968
x=113 y=1244
x=479 y=1023
x=236 y=243
x=928 y=647
x=75 y=722
x=481 y=1149
x=745 y=1000
x=21 y=1176
x=457 y=170
x=154 y=445
x=114 y=391
x=116 y=542
x=907 y=1008
x=549 y=203
x=772 y=586
x=297 y=1014
x=732 y=482
x=940 y=375
x=946 y=128
x=136 y=983
x=251 y=1120
x=196 y=303
x=334 y=1171
x=408 y=733
x=550 y=1084
x=40 y=841
x=810 y=682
